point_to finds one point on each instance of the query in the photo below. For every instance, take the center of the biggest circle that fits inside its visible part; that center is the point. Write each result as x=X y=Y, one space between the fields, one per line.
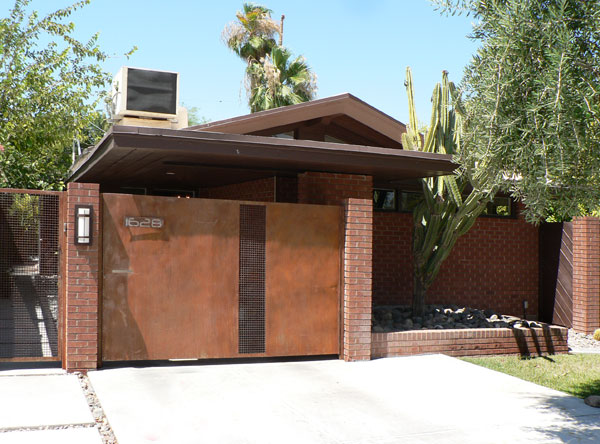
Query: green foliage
x=443 y=215
x=273 y=78
x=48 y=95
x=577 y=375
x=597 y=335
x=532 y=94
x=280 y=81
x=26 y=207
x=252 y=36
x=194 y=117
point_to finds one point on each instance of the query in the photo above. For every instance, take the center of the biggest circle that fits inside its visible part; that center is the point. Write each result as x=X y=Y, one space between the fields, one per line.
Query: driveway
x=420 y=399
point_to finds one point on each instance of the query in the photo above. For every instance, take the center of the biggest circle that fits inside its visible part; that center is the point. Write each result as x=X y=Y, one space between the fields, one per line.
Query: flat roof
x=129 y=155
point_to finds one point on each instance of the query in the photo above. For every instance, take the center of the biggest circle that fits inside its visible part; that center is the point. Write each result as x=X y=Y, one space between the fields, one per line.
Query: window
x=409 y=200
x=500 y=206
x=406 y=201
x=288 y=135
x=384 y=199
x=327 y=138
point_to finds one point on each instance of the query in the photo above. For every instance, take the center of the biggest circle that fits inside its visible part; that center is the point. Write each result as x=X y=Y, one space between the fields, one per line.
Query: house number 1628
x=143 y=222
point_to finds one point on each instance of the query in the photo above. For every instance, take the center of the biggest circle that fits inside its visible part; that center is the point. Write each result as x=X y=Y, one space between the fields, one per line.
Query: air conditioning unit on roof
x=145 y=93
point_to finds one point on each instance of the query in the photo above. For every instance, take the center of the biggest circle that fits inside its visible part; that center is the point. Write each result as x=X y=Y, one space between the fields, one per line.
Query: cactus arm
x=443 y=215
x=413 y=128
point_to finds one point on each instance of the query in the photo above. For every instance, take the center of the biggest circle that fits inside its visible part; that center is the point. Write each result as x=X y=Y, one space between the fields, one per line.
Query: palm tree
x=271 y=79
x=252 y=36
x=277 y=80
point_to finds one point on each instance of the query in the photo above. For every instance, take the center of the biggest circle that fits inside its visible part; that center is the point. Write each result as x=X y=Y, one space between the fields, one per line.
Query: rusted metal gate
x=29 y=275
x=556 y=273
x=199 y=278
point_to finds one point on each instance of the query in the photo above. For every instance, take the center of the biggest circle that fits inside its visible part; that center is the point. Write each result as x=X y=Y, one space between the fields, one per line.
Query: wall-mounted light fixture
x=83 y=224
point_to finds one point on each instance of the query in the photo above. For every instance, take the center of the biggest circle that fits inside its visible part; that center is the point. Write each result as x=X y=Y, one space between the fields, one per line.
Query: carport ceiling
x=130 y=156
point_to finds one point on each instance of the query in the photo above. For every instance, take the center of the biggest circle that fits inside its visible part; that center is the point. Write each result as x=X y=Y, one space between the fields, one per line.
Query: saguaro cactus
x=445 y=212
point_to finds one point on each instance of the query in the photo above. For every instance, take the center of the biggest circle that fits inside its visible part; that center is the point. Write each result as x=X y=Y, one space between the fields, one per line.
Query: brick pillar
x=82 y=283
x=358 y=252
x=586 y=274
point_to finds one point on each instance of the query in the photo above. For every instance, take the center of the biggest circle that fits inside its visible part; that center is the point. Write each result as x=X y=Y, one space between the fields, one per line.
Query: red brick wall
x=392 y=260
x=333 y=188
x=586 y=274
x=357 y=279
x=286 y=189
x=495 y=265
x=261 y=190
x=472 y=342
x=82 y=283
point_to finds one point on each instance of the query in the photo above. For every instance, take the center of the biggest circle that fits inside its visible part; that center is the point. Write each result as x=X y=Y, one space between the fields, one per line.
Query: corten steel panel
x=302 y=279
x=170 y=292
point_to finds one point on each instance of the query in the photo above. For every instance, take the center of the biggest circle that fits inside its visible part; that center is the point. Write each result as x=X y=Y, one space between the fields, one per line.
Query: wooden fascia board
x=236 y=148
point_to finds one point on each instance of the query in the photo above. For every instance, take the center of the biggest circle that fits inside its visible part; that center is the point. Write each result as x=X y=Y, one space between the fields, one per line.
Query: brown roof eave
x=256 y=151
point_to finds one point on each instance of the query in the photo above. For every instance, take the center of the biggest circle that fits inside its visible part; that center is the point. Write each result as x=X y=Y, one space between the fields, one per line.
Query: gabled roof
x=340 y=114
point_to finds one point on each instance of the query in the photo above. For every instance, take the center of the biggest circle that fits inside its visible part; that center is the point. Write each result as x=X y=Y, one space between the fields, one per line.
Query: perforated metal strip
x=252 y=279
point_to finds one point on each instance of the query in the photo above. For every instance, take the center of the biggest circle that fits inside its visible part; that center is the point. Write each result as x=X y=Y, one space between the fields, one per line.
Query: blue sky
x=353 y=46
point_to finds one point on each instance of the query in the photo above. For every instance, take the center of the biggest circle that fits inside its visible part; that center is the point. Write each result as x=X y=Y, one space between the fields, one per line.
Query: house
x=265 y=235
x=295 y=154
x=332 y=151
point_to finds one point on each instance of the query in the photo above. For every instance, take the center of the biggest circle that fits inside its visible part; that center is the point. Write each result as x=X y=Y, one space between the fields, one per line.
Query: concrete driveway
x=421 y=399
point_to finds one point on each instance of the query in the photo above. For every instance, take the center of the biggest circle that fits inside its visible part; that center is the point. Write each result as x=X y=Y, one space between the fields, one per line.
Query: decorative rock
x=593 y=401
x=580 y=341
x=399 y=318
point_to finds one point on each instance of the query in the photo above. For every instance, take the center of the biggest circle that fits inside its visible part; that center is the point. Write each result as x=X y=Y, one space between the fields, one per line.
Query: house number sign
x=144 y=222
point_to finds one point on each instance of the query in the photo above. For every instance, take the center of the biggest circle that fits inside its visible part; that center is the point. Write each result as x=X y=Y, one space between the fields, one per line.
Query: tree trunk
x=419 y=290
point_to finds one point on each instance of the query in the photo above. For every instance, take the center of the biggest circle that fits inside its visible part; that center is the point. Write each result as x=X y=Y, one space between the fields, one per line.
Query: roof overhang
x=135 y=155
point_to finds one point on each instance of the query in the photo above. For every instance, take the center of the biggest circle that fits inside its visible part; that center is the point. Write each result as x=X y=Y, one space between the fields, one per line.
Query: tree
x=532 y=95
x=48 y=95
x=194 y=117
x=252 y=37
x=272 y=78
x=450 y=204
x=280 y=81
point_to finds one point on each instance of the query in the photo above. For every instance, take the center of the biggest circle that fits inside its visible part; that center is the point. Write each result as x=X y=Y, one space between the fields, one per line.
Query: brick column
x=358 y=252
x=586 y=274
x=82 y=283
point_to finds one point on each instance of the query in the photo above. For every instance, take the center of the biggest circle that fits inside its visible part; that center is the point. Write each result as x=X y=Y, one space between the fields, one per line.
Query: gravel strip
x=106 y=432
x=399 y=318
x=583 y=343
x=48 y=427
